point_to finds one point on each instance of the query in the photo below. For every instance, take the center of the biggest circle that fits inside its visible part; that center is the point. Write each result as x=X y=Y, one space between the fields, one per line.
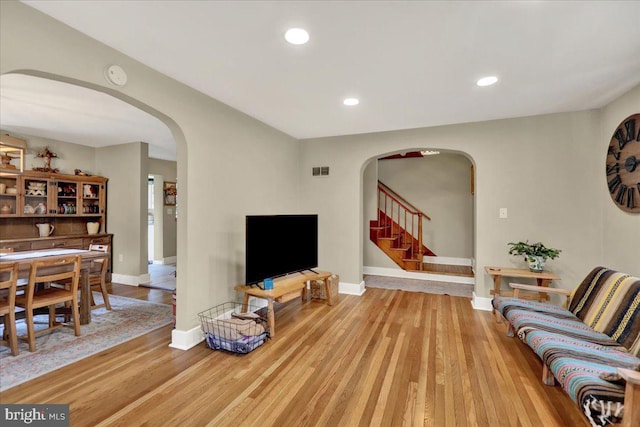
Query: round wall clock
x=623 y=165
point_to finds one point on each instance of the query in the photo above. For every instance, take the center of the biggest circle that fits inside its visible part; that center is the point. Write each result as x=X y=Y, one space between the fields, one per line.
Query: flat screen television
x=280 y=244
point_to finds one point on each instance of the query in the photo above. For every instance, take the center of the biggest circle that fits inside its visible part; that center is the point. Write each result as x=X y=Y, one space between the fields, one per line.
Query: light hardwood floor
x=388 y=358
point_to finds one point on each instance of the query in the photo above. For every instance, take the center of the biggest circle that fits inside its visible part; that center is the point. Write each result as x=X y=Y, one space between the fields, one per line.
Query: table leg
x=326 y=290
x=497 y=281
x=545 y=284
x=85 y=297
x=245 y=303
x=271 y=318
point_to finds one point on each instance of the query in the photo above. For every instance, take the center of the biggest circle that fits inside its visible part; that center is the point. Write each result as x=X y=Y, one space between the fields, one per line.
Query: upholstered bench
x=591 y=347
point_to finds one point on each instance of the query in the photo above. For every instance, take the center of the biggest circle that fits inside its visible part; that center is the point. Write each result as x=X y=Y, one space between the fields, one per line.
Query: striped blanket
x=609 y=302
x=585 y=344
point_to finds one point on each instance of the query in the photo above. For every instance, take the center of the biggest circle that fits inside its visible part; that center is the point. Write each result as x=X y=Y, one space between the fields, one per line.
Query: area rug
x=414 y=285
x=128 y=319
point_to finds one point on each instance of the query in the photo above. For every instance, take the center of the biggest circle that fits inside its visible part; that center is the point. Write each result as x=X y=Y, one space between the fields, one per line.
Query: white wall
x=166 y=229
x=70 y=156
x=373 y=256
x=126 y=167
x=621 y=232
x=229 y=164
x=544 y=169
x=440 y=186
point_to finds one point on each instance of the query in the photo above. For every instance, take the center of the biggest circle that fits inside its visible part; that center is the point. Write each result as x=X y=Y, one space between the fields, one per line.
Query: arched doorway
x=66 y=103
x=438 y=184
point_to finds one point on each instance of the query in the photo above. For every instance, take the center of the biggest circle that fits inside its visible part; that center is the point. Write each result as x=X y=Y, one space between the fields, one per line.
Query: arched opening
x=130 y=260
x=418 y=221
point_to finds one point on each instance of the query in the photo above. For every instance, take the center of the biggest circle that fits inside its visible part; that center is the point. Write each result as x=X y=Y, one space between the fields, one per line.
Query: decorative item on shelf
x=47 y=155
x=36 y=188
x=28 y=209
x=6 y=161
x=81 y=173
x=170 y=193
x=45 y=229
x=6 y=210
x=12 y=190
x=12 y=148
x=41 y=209
x=536 y=254
x=88 y=191
x=93 y=227
x=3 y=188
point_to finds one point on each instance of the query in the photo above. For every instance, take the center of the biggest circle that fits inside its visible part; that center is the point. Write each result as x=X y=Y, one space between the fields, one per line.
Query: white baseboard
x=393 y=272
x=127 y=279
x=167 y=260
x=351 y=288
x=481 y=303
x=447 y=260
x=184 y=340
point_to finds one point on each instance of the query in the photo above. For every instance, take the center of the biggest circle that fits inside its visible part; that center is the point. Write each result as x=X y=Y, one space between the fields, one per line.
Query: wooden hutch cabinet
x=67 y=202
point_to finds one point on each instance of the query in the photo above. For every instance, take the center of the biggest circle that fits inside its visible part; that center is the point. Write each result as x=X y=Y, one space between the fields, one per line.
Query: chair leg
x=52 y=315
x=76 y=316
x=105 y=295
x=10 y=330
x=31 y=333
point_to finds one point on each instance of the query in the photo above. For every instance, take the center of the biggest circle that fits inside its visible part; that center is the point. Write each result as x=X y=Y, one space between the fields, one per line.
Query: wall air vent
x=320 y=171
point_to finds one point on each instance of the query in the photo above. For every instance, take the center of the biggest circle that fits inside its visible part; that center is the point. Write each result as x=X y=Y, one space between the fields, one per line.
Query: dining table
x=88 y=264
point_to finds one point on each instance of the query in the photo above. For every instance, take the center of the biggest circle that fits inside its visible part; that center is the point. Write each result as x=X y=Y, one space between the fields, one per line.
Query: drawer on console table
x=58 y=243
x=16 y=246
x=102 y=240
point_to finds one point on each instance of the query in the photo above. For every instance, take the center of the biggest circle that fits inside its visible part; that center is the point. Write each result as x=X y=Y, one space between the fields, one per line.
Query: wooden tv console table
x=285 y=289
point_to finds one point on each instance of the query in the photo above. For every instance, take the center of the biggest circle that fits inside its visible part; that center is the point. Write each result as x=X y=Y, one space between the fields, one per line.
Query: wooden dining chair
x=99 y=277
x=51 y=270
x=8 y=280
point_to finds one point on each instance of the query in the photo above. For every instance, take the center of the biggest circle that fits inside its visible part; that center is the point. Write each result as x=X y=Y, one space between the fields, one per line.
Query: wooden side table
x=543 y=279
x=284 y=289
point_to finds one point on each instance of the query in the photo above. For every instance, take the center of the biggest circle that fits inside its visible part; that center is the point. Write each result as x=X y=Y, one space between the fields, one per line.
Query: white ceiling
x=411 y=64
x=64 y=112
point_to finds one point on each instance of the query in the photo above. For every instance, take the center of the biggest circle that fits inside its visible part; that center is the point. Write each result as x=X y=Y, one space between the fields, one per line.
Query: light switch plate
x=503 y=212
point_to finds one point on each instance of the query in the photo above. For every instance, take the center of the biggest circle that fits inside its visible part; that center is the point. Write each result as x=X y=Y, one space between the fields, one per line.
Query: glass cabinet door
x=9 y=199
x=67 y=197
x=36 y=197
x=92 y=198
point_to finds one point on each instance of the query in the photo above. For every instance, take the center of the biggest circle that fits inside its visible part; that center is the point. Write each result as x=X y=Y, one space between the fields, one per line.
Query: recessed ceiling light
x=487 y=81
x=351 y=101
x=296 y=36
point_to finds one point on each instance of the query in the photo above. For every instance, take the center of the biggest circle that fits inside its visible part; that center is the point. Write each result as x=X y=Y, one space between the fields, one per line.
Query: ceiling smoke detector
x=115 y=75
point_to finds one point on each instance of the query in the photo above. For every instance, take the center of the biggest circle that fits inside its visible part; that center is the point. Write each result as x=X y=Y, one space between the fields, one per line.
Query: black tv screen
x=280 y=244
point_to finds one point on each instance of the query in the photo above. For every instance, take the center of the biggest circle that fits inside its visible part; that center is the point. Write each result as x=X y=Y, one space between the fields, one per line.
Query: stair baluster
x=392 y=234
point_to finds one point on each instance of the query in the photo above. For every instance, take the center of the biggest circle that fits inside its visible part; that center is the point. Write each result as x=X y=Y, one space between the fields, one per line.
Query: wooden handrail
x=400 y=200
x=415 y=215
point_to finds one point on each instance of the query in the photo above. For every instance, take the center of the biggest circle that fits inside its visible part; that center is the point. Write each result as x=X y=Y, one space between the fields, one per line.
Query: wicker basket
x=235 y=327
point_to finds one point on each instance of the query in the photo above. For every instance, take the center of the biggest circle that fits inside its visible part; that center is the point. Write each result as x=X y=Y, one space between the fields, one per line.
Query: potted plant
x=536 y=254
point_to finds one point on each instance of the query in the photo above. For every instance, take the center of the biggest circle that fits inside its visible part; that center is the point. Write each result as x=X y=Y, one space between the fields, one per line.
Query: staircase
x=398 y=230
